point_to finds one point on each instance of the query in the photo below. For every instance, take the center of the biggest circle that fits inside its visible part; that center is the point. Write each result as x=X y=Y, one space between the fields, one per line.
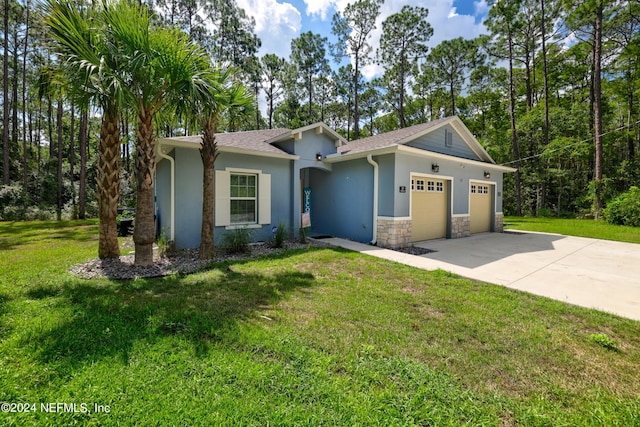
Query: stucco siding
x=343 y=200
x=188 y=193
x=386 y=184
x=163 y=196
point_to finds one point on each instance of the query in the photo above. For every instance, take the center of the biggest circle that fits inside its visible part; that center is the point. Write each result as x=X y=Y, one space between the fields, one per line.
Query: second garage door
x=480 y=208
x=428 y=208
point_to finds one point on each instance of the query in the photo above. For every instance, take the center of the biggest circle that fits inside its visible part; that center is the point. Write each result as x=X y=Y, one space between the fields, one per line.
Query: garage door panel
x=428 y=209
x=480 y=208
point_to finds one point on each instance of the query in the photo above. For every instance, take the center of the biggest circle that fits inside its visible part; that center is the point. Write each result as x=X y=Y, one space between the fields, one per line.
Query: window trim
x=253 y=198
x=223 y=198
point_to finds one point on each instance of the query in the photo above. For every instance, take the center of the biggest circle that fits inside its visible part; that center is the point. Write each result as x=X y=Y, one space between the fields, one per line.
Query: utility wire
x=570 y=145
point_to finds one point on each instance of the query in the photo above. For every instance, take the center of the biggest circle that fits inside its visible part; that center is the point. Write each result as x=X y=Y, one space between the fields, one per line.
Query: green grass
x=575 y=227
x=310 y=337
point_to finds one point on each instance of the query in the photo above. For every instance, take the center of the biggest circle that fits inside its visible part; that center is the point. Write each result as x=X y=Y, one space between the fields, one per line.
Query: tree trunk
x=208 y=153
x=25 y=159
x=597 y=110
x=108 y=182
x=82 y=142
x=144 y=230
x=545 y=75
x=59 y=148
x=5 y=95
x=514 y=137
x=72 y=159
x=356 y=112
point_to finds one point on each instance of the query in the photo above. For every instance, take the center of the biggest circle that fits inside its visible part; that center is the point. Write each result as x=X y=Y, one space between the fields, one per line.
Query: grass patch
x=310 y=337
x=575 y=227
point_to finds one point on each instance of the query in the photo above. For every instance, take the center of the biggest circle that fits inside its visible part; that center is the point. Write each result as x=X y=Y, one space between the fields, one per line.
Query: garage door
x=428 y=208
x=480 y=208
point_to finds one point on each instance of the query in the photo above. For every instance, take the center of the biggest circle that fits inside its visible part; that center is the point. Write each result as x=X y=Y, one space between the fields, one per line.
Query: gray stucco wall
x=188 y=193
x=343 y=200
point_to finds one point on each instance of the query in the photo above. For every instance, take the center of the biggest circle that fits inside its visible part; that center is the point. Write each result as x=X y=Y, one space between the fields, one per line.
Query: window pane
x=243 y=211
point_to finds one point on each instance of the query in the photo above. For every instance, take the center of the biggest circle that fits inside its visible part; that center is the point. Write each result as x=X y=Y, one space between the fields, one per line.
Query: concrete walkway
x=587 y=272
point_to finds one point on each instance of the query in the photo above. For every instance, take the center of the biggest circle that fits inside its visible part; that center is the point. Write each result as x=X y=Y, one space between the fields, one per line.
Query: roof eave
x=172 y=143
x=336 y=158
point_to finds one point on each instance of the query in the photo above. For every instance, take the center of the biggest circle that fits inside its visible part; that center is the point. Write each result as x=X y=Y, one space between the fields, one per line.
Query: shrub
x=279 y=236
x=237 y=240
x=12 y=203
x=624 y=209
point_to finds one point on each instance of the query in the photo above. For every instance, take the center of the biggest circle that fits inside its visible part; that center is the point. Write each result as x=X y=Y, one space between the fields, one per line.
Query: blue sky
x=279 y=21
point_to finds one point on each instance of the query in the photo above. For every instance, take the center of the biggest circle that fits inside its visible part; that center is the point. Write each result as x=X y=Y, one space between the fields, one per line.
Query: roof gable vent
x=448 y=138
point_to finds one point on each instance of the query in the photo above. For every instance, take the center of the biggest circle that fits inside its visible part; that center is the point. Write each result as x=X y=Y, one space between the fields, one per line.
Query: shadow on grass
x=110 y=317
x=16 y=234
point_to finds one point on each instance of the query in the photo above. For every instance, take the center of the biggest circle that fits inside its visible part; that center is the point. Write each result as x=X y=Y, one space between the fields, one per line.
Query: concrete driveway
x=587 y=272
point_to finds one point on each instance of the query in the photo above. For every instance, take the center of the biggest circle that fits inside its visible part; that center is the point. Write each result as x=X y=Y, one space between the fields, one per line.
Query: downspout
x=173 y=191
x=375 y=198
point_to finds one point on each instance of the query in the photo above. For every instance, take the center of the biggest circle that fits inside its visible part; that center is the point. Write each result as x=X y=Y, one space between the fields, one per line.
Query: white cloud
x=444 y=18
x=276 y=24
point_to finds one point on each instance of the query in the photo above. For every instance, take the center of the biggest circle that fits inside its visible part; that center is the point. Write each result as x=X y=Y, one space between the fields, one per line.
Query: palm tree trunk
x=108 y=185
x=144 y=229
x=208 y=153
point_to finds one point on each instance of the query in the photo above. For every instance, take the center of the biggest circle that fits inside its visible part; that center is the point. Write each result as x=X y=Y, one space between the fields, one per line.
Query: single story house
x=427 y=181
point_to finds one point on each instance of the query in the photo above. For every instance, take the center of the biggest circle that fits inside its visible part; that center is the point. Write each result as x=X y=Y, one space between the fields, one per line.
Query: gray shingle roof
x=388 y=139
x=254 y=140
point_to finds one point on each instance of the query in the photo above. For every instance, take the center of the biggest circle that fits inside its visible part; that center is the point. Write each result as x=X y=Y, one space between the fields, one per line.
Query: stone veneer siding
x=460 y=227
x=393 y=233
x=499 y=222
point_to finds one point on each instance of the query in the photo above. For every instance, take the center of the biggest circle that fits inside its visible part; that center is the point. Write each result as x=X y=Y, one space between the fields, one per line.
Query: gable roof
x=404 y=136
x=249 y=142
x=257 y=142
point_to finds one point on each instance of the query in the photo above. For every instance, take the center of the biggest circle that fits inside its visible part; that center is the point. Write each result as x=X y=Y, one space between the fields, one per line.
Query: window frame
x=245 y=198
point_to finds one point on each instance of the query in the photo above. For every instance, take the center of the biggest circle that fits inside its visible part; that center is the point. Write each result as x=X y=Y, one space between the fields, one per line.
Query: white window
x=473 y=189
x=485 y=189
x=439 y=187
x=431 y=186
x=243 y=197
x=413 y=185
x=419 y=184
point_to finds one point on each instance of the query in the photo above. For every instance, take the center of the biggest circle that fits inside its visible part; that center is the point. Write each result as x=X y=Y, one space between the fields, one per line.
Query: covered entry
x=480 y=207
x=429 y=208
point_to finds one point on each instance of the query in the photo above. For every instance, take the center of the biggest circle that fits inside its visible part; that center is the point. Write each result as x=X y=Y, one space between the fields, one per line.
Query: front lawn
x=575 y=227
x=308 y=337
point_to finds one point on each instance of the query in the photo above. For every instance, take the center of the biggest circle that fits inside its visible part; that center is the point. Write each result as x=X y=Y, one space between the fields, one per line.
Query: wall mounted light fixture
x=487 y=175
x=435 y=168
x=319 y=157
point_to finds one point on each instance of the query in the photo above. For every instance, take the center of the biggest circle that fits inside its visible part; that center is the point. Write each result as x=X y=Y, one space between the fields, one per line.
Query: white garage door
x=480 y=208
x=428 y=208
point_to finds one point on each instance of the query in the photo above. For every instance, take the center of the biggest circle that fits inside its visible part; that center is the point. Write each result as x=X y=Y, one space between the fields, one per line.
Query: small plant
x=237 y=241
x=165 y=245
x=279 y=236
x=604 y=341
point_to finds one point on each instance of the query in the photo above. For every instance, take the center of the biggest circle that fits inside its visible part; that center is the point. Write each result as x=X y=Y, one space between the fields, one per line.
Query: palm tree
x=223 y=95
x=91 y=66
x=156 y=62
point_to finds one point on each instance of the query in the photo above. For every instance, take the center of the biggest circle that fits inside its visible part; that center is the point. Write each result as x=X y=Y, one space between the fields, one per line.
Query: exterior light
x=487 y=175
x=435 y=168
x=319 y=157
